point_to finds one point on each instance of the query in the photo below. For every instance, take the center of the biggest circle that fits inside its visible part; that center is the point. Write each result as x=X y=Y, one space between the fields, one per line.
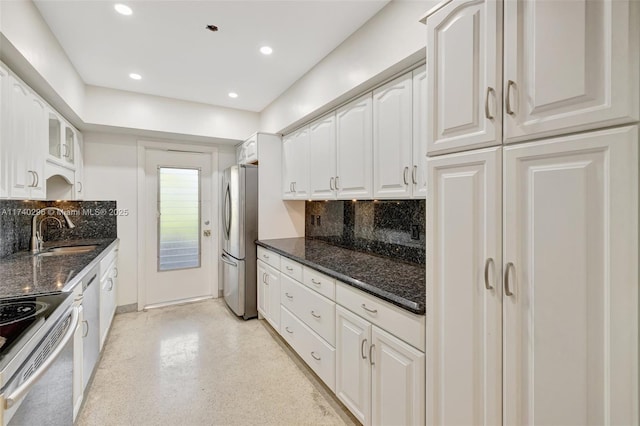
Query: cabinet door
x=301 y=164
x=419 y=171
x=464 y=75
x=5 y=121
x=354 y=147
x=69 y=148
x=353 y=370
x=38 y=123
x=464 y=310
x=272 y=297
x=79 y=173
x=288 y=167
x=571 y=280
x=19 y=103
x=263 y=294
x=570 y=66
x=398 y=381
x=393 y=138
x=322 y=155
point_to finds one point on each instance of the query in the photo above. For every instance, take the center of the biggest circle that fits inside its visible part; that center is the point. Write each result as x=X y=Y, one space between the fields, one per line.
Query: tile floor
x=197 y=364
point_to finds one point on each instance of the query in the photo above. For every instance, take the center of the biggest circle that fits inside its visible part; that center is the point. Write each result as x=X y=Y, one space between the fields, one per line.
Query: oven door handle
x=26 y=386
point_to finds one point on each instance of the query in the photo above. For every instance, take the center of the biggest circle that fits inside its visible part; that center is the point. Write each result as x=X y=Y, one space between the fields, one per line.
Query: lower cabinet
x=380 y=378
x=108 y=288
x=269 y=293
x=78 y=389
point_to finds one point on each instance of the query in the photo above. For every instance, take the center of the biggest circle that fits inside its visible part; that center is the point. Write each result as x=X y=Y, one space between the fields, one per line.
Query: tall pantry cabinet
x=532 y=255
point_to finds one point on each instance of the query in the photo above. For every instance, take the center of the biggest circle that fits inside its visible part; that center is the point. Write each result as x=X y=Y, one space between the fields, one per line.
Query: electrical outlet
x=318 y=220
x=415 y=232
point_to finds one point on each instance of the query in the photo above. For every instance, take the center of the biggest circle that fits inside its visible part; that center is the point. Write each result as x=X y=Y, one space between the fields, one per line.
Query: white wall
x=393 y=39
x=111 y=174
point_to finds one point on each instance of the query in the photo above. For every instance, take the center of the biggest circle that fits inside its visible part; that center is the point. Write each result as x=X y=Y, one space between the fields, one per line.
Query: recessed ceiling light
x=266 y=50
x=135 y=76
x=123 y=9
x=233 y=95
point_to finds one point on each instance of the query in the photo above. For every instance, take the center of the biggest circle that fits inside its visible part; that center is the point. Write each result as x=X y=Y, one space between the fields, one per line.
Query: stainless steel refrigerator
x=240 y=231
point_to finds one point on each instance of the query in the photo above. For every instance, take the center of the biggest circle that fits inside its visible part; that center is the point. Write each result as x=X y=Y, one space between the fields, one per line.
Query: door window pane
x=179 y=221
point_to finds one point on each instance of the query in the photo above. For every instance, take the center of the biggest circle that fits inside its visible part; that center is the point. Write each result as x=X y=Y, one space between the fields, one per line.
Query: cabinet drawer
x=403 y=324
x=316 y=311
x=291 y=268
x=107 y=260
x=317 y=353
x=319 y=282
x=269 y=257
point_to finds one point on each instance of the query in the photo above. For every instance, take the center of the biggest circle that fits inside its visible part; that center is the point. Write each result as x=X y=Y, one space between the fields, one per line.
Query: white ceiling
x=166 y=42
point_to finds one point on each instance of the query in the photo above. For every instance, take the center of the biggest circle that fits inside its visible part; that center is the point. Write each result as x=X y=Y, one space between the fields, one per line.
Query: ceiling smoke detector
x=212 y=28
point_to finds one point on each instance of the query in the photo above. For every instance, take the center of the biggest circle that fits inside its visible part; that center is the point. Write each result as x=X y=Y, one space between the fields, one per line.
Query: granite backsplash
x=93 y=220
x=390 y=228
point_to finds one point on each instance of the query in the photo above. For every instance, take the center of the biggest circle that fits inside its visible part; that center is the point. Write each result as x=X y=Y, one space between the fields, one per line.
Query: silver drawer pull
x=288 y=331
x=313 y=314
x=289 y=268
x=364 y=356
x=373 y=311
x=487 y=264
x=316 y=282
x=316 y=357
x=265 y=256
x=371 y=355
x=288 y=296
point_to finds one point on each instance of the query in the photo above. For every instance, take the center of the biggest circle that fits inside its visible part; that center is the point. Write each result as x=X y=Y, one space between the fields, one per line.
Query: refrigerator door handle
x=227 y=212
x=228 y=261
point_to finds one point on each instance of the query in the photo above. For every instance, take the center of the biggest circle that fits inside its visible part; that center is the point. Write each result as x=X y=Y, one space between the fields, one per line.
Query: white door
x=300 y=158
x=322 y=158
x=288 y=167
x=464 y=309
x=19 y=104
x=571 y=280
x=569 y=66
x=393 y=138
x=178 y=237
x=262 y=290
x=353 y=370
x=398 y=380
x=420 y=133
x=464 y=75
x=354 y=147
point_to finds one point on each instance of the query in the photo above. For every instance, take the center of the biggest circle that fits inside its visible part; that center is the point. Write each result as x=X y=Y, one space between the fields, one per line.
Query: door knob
x=207 y=232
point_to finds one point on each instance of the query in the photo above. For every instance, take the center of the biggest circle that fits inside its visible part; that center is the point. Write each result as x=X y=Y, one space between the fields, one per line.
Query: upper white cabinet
x=79 y=172
x=295 y=158
x=393 y=138
x=27 y=142
x=354 y=141
x=4 y=133
x=464 y=76
x=569 y=66
x=247 y=152
x=322 y=158
x=420 y=129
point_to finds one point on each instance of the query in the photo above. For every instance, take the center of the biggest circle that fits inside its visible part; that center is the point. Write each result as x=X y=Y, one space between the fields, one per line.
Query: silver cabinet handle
x=66 y=151
x=288 y=331
x=33 y=178
x=294 y=187
x=313 y=314
x=111 y=286
x=414 y=175
x=266 y=256
x=371 y=354
x=115 y=272
x=507 y=284
x=404 y=175
x=487 y=113
x=373 y=311
x=79 y=186
x=289 y=268
x=316 y=282
x=85 y=324
x=362 y=354
x=488 y=262
x=508 y=97
x=37 y=179
x=337 y=181
x=266 y=279
x=316 y=357
x=288 y=296
x=26 y=386
x=331 y=183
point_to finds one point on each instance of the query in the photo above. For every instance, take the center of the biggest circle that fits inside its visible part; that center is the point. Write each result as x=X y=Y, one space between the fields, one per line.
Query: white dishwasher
x=91 y=333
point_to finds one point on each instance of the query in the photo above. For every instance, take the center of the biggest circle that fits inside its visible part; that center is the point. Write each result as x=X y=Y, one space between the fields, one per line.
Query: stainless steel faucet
x=36 y=236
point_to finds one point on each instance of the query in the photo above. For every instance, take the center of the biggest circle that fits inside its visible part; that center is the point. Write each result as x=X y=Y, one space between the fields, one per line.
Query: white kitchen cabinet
x=79 y=172
x=4 y=133
x=564 y=299
x=354 y=148
x=78 y=359
x=27 y=147
x=353 y=370
x=398 y=381
x=393 y=138
x=571 y=280
x=108 y=292
x=247 y=151
x=569 y=66
x=464 y=309
x=464 y=76
x=322 y=158
x=295 y=161
x=420 y=133
x=269 y=293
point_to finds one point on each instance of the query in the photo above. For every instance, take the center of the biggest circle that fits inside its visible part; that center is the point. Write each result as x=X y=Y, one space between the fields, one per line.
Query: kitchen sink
x=59 y=251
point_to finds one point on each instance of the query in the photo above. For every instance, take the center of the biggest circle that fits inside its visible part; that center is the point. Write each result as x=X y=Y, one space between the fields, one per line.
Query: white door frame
x=143 y=147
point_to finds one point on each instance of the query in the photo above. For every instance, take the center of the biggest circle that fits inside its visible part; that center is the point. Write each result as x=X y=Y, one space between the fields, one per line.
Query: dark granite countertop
x=400 y=283
x=23 y=274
